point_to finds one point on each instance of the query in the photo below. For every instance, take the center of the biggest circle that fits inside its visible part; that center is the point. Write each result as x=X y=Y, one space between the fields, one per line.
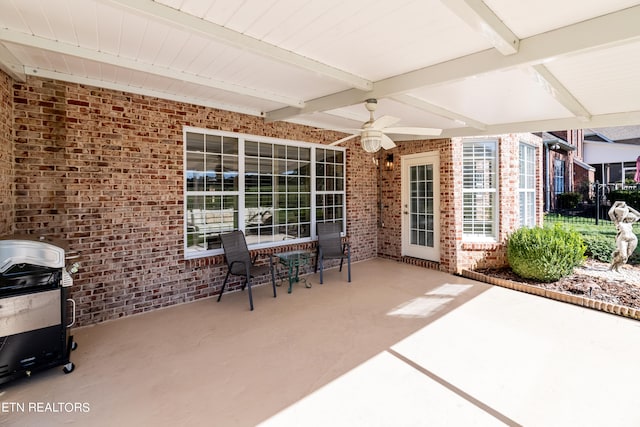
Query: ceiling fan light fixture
x=371 y=140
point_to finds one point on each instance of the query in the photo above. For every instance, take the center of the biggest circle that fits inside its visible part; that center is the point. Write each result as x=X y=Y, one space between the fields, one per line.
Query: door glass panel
x=422 y=206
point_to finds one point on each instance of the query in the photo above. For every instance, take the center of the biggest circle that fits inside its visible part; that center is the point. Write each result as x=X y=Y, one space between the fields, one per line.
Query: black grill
x=25 y=278
x=34 y=307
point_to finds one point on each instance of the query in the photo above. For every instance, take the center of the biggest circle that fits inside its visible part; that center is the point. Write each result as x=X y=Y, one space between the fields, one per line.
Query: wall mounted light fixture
x=388 y=164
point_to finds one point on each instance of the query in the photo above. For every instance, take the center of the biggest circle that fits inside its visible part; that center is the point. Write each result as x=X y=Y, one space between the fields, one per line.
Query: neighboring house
x=141 y=186
x=565 y=169
x=614 y=153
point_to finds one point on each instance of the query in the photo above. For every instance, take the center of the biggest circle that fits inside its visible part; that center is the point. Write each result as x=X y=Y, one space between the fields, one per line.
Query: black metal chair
x=239 y=262
x=330 y=246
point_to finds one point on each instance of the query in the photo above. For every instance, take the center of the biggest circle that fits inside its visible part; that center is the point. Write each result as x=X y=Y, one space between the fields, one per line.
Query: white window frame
x=190 y=253
x=559 y=169
x=527 y=184
x=473 y=187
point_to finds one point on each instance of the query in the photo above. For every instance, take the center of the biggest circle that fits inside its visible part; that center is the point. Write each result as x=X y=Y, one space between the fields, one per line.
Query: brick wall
x=455 y=253
x=103 y=170
x=390 y=226
x=472 y=255
x=6 y=155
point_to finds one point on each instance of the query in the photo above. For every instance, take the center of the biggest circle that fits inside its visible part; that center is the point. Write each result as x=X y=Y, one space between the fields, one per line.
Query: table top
x=294 y=255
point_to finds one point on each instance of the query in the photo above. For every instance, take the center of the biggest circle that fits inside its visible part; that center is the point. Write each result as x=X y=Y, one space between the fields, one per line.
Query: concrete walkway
x=399 y=346
x=504 y=358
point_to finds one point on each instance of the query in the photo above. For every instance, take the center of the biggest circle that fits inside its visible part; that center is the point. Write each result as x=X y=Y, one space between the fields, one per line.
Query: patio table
x=294 y=260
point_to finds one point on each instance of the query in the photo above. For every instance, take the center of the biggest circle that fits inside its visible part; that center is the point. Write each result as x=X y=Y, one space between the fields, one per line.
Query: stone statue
x=623 y=217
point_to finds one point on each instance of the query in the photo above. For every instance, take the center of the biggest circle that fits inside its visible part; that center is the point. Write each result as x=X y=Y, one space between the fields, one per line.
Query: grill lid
x=28 y=250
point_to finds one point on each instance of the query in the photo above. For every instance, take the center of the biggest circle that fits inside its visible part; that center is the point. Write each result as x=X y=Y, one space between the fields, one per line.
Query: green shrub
x=545 y=254
x=599 y=247
x=630 y=197
x=569 y=200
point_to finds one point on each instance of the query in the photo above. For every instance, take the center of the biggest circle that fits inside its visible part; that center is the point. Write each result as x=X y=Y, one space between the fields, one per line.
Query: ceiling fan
x=373 y=132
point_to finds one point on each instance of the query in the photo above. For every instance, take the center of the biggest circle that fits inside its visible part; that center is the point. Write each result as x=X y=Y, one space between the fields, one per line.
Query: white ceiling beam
x=47 y=74
x=11 y=65
x=607 y=30
x=179 y=19
x=482 y=19
x=553 y=86
x=597 y=121
x=92 y=55
x=324 y=103
x=439 y=111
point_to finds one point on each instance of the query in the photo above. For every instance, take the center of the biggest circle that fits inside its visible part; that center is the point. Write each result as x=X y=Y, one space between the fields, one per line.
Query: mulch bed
x=621 y=289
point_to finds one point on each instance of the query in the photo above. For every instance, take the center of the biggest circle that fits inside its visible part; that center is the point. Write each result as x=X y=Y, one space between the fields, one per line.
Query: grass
x=600 y=239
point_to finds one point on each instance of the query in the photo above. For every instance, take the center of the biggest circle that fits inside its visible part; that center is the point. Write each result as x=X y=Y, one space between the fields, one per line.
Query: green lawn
x=600 y=239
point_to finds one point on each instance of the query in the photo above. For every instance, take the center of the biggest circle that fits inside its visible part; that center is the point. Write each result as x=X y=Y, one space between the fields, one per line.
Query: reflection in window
x=263 y=187
x=211 y=177
x=277 y=192
x=330 y=186
x=558 y=176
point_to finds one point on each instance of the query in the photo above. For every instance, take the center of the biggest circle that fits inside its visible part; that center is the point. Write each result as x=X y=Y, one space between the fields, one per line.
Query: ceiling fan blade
x=414 y=131
x=346 y=138
x=383 y=122
x=343 y=130
x=387 y=143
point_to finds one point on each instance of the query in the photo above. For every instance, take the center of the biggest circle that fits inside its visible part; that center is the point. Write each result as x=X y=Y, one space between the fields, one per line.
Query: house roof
x=467 y=67
x=583 y=165
x=556 y=140
x=621 y=134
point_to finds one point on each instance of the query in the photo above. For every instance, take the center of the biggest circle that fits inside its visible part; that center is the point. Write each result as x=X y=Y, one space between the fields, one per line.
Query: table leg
x=290 y=278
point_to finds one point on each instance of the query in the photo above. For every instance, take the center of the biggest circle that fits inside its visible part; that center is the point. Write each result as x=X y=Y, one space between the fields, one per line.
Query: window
x=261 y=186
x=558 y=176
x=527 y=185
x=277 y=192
x=330 y=186
x=479 y=189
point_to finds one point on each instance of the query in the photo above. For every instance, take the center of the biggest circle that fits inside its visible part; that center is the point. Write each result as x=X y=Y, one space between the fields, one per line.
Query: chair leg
x=349 y=265
x=223 y=285
x=315 y=269
x=321 y=261
x=273 y=276
x=248 y=285
x=250 y=296
x=341 y=261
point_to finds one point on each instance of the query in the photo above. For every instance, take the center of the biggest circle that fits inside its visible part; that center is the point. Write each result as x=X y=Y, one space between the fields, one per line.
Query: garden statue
x=623 y=217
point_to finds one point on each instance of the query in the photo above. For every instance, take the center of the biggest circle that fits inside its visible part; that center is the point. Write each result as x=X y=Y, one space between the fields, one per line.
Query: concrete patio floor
x=399 y=346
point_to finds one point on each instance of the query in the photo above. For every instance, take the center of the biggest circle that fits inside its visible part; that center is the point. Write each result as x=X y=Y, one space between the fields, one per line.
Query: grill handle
x=71 y=255
x=73 y=311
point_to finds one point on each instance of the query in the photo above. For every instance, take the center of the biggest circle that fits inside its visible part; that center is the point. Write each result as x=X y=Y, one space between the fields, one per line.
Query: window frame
x=241 y=194
x=474 y=190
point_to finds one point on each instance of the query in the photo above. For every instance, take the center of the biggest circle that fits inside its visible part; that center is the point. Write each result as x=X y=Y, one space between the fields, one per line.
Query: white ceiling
x=466 y=66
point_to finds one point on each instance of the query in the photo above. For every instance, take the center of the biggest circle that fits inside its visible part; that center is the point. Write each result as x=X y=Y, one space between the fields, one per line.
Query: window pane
x=194 y=142
x=195 y=172
x=230 y=173
x=213 y=144
x=230 y=145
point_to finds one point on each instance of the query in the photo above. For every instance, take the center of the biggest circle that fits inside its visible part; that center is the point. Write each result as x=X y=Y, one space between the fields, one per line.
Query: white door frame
x=427 y=250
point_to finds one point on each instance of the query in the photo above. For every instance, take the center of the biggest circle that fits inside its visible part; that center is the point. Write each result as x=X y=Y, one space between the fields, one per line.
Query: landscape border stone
x=555 y=295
